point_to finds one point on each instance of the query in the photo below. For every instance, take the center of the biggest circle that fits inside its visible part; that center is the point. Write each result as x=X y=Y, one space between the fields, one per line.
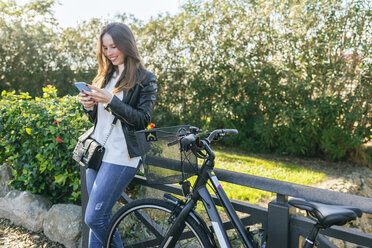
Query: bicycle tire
x=134 y=233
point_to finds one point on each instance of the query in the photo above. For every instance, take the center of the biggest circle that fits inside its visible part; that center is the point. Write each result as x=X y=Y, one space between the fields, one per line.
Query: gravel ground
x=12 y=236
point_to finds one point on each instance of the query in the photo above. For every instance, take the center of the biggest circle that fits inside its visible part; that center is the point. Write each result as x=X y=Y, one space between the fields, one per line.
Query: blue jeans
x=104 y=189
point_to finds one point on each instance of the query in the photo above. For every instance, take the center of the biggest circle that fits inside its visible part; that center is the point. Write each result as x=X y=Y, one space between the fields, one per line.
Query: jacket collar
x=128 y=96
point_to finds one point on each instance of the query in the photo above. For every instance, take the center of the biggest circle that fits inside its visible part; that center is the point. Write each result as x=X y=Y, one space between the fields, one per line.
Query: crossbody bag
x=88 y=152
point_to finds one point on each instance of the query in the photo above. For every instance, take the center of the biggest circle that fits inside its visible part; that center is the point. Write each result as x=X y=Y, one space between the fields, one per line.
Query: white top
x=116 y=151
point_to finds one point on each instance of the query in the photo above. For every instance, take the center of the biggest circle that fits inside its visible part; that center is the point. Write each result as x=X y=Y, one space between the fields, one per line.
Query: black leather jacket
x=134 y=112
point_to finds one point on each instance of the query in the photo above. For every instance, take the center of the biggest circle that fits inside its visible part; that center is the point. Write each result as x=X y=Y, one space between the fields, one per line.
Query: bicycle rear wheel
x=144 y=222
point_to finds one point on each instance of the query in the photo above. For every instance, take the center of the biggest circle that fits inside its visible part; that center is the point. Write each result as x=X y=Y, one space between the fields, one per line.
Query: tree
x=36 y=52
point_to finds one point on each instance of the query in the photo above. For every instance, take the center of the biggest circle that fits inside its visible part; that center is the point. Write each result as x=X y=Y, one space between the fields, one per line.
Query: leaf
x=60 y=179
x=52 y=129
x=43 y=166
x=28 y=130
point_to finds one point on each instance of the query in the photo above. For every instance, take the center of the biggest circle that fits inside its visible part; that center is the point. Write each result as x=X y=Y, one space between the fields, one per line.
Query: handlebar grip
x=230 y=131
x=187 y=140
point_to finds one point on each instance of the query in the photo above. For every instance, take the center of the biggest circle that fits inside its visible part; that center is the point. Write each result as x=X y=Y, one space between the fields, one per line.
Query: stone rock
x=5 y=176
x=63 y=224
x=25 y=209
x=366 y=191
x=80 y=243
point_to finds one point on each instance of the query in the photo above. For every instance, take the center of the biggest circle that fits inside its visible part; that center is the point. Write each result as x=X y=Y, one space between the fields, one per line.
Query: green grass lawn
x=240 y=162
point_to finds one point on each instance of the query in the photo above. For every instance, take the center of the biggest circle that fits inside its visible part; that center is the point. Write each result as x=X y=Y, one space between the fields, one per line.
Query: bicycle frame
x=200 y=192
x=182 y=211
x=215 y=218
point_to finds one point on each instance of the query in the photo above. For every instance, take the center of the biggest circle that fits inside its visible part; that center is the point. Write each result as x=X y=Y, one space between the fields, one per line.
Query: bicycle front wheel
x=144 y=223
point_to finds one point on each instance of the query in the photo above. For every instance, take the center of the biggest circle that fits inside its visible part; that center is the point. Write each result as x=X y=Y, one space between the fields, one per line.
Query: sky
x=70 y=12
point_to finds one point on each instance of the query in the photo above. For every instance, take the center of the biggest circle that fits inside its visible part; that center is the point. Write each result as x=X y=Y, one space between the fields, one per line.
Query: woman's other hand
x=86 y=100
x=99 y=95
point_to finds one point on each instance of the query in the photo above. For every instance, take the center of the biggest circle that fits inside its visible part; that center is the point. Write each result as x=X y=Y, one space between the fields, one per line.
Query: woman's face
x=111 y=51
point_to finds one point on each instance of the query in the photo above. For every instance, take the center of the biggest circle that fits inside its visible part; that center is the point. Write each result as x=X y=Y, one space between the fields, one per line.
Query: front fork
x=178 y=226
x=243 y=234
x=215 y=218
x=179 y=205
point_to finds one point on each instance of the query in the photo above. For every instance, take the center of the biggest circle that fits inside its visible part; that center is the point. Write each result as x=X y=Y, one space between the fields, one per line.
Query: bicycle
x=173 y=222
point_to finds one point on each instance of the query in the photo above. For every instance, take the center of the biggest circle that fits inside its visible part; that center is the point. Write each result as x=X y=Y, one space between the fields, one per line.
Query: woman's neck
x=120 y=69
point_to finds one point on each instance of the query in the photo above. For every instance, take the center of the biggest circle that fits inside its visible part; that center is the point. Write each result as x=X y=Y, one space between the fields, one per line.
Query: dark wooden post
x=278 y=222
x=84 y=202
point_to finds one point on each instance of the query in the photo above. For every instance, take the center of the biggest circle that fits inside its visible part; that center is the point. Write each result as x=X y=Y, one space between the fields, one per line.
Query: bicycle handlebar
x=216 y=132
x=189 y=139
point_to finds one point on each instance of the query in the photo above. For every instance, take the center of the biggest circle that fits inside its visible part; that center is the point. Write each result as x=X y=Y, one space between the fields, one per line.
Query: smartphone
x=82 y=86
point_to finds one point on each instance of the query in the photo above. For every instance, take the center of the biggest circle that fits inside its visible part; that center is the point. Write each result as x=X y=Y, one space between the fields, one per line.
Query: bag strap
x=90 y=131
x=111 y=128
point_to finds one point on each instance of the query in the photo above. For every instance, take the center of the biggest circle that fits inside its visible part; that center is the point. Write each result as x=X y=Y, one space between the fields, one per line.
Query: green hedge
x=37 y=137
x=293 y=77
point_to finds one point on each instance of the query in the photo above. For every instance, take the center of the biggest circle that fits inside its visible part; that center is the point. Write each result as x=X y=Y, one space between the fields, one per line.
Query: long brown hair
x=125 y=42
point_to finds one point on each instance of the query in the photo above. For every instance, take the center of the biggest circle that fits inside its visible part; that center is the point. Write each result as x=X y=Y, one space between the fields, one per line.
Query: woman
x=123 y=88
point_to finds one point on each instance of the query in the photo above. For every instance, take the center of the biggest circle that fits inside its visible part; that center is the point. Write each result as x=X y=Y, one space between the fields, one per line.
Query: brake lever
x=173 y=142
x=218 y=137
x=198 y=150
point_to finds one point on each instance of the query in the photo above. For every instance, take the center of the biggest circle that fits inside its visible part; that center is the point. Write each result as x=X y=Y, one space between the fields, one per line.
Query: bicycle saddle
x=327 y=215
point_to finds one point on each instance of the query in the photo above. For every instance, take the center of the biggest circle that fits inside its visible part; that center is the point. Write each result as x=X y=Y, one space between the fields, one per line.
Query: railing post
x=278 y=222
x=84 y=202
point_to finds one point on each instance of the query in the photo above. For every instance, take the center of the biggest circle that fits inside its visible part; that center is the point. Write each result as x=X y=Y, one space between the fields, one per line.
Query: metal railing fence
x=283 y=228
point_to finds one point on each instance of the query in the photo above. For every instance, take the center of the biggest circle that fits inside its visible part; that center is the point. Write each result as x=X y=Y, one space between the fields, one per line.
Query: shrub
x=292 y=77
x=37 y=137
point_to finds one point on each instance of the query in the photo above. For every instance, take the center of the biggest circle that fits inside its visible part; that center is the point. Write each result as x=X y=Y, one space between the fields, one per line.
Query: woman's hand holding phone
x=85 y=99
